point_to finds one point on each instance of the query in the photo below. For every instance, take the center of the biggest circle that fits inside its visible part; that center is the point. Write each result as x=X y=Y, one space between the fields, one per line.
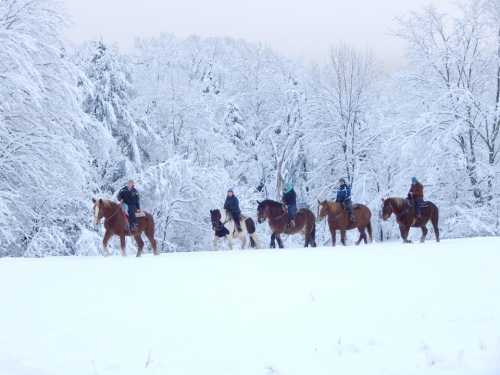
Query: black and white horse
x=225 y=230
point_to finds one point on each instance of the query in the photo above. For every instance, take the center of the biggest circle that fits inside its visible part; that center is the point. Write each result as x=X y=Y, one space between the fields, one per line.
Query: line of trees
x=189 y=118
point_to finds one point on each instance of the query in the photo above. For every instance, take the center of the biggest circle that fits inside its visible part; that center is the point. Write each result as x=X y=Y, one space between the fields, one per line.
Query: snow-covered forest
x=190 y=118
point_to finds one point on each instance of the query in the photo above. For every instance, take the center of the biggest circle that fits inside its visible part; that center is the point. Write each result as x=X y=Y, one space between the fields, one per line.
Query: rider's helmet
x=413 y=180
x=342 y=181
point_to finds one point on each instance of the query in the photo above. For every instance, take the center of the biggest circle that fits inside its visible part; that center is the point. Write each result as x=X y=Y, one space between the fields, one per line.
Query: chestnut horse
x=277 y=219
x=115 y=224
x=404 y=211
x=338 y=219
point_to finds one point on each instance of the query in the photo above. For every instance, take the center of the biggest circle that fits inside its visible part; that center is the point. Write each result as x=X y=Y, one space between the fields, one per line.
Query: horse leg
x=140 y=245
x=342 y=237
x=243 y=239
x=365 y=236
x=404 y=233
x=229 y=242
x=215 y=243
x=122 y=245
x=362 y=236
x=424 y=233
x=273 y=241
x=150 y=235
x=334 y=237
x=280 y=242
x=105 y=240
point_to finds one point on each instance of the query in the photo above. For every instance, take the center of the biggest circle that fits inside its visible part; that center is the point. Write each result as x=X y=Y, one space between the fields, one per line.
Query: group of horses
x=115 y=223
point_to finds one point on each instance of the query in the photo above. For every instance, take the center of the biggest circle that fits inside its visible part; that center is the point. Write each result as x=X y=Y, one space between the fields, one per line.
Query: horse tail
x=435 y=221
x=369 y=229
x=312 y=238
x=250 y=224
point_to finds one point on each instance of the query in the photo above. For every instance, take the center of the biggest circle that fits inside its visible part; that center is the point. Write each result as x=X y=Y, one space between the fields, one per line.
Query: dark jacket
x=232 y=205
x=129 y=197
x=290 y=198
x=344 y=193
x=416 y=191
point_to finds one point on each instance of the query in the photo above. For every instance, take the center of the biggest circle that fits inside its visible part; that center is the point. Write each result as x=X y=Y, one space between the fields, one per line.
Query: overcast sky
x=297 y=28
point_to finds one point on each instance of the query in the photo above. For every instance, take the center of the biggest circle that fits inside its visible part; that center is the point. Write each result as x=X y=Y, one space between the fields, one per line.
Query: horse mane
x=397 y=202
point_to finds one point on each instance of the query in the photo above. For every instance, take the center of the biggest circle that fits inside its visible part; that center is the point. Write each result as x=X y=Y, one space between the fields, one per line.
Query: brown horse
x=277 y=218
x=115 y=224
x=405 y=216
x=338 y=219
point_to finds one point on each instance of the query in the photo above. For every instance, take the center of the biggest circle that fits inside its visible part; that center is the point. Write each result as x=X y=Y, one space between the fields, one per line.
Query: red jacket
x=416 y=191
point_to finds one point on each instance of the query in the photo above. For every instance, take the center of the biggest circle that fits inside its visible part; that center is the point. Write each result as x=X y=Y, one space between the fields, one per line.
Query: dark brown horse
x=338 y=219
x=406 y=218
x=277 y=218
x=115 y=224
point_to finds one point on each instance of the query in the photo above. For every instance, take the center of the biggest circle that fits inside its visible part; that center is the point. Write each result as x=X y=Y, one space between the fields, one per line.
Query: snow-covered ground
x=379 y=309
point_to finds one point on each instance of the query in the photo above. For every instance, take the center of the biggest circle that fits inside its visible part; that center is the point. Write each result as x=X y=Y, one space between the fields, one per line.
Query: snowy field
x=380 y=309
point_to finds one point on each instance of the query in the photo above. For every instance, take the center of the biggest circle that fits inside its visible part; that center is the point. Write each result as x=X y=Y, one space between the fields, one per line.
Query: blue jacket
x=232 y=205
x=129 y=197
x=344 y=193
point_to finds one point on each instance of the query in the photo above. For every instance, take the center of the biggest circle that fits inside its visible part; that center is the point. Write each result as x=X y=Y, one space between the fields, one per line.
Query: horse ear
x=258 y=202
x=100 y=200
x=93 y=200
x=319 y=201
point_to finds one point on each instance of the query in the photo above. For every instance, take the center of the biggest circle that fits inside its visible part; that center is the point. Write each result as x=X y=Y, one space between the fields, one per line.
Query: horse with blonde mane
x=115 y=224
x=338 y=219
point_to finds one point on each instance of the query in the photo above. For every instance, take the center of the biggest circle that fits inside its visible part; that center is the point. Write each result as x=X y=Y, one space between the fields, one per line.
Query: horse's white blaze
x=96 y=213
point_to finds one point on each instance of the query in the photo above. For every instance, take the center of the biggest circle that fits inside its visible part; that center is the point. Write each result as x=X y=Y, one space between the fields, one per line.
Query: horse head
x=97 y=210
x=387 y=208
x=262 y=212
x=215 y=218
x=323 y=209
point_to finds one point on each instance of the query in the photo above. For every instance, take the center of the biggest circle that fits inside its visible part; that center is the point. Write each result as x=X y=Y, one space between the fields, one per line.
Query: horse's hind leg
x=140 y=245
x=122 y=245
x=342 y=237
x=152 y=241
x=272 y=245
x=280 y=242
x=334 y=237
x=243 y=239
x=424 y=233
x=362 y=236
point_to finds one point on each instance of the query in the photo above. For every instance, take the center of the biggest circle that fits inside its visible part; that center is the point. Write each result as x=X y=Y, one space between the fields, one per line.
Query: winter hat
x=230 y=190
x=413 y=180
x=288 y=187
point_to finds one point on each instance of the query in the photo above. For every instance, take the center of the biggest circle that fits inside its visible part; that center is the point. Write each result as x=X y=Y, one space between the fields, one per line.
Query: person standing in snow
x=344 y=197
x=232 y=205
x=416 y=195
x=130 y=196
x=289 y=199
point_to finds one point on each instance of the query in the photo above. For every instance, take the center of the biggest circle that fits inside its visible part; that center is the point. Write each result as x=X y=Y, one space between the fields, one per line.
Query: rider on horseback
x=416 y=195
x=344 y=197
x=128 y=195
x=232 y=205
x=289 y=199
